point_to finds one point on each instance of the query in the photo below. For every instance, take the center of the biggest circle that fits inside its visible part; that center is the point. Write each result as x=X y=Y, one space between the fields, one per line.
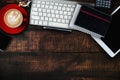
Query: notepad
x=92 y=21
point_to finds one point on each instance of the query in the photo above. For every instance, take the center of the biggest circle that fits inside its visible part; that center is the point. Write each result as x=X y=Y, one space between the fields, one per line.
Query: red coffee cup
x=8 y=29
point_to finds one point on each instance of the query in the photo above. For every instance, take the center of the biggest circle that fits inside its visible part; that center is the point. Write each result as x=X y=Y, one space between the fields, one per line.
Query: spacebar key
x=60 y=25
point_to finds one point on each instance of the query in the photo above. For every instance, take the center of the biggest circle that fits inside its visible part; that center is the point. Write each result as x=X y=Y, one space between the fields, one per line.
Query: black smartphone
x=4 y=41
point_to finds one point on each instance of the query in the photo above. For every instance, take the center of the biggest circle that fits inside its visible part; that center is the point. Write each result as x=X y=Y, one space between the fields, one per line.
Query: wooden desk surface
x=38 y=54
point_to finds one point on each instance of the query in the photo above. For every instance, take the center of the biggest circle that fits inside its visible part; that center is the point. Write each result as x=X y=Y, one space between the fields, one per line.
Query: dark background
x=38 y=54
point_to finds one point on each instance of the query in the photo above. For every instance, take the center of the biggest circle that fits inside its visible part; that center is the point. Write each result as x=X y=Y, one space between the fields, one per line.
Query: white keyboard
x=53 y=13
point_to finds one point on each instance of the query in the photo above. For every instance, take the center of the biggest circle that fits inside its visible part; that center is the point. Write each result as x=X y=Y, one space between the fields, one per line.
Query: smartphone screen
x=112 y=38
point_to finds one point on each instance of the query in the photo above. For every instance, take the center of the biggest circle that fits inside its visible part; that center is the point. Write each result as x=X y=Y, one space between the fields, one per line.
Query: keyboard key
x=40 y=22
x=32 y=21
x=34 y=13
x=35 y=17
x=54 y=24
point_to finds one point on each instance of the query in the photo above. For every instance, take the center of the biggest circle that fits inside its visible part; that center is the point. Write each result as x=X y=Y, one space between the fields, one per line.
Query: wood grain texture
x=78 y=66
x=39 y=40
x=38 y=54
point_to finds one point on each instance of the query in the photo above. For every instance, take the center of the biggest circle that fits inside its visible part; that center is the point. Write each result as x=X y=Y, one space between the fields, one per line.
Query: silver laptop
x=111 y=42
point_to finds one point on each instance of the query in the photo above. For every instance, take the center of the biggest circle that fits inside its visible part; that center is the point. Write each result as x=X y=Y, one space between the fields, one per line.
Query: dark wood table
x=38 y=54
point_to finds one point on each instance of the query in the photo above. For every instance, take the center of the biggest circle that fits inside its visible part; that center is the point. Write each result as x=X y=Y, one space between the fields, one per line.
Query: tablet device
x=110 y=43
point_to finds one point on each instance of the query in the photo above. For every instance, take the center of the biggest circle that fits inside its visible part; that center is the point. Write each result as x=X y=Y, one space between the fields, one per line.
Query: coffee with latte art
x=13 y=18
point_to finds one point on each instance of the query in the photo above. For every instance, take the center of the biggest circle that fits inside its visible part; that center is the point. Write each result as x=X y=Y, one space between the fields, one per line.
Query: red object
x=7 y=29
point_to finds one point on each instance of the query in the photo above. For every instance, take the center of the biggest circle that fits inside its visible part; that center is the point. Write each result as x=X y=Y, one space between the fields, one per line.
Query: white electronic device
x=111 y=42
